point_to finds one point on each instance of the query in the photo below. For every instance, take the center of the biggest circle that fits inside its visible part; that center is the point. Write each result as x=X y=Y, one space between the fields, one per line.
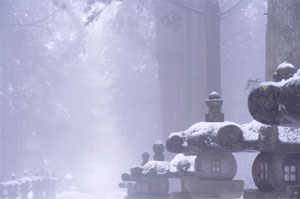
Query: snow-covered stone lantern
x=276 y=169
x=149 y=180
x=205 y=164
x=214 y=166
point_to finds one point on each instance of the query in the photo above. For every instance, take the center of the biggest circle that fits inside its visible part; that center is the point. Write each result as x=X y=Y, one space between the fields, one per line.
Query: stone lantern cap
x=214 y=104
x=214 y=96
x=232 y=137
x=284 y=71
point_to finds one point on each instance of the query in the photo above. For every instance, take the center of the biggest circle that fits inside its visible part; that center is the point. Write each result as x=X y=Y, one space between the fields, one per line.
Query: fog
x=88 y=86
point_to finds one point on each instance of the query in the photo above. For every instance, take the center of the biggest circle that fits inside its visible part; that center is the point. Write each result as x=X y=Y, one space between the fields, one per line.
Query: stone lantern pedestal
x=181 y=195
x=213 y=189
x=147 y=188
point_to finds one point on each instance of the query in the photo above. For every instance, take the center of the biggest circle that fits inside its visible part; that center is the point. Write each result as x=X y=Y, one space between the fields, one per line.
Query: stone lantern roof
x=232 y=137
x=217 y=135
x=277 y=102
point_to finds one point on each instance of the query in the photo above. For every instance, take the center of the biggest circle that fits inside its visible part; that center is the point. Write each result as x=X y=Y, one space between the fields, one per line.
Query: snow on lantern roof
x=295 y=76
x=289 y=135
x=200 y=137
x=232 y=137
x=207 y=130
x=284 y=71
x=294 y=79
x=251 y=130
x=277 y=102
x=181 y=165
x=159 y=167
x=217 y=135
x=286 y=134
x=202 y=128
x=285 y=65
x=214 y=95
x=181 y=161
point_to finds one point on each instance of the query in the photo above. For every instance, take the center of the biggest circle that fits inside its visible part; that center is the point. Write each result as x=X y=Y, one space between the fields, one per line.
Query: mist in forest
x=87 y=86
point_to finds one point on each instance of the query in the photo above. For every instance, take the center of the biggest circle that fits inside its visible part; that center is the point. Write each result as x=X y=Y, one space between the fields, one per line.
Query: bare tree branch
x=94 y=16
x=223 y=14
x=36 y=23
x=221 y=2
x=186 y=7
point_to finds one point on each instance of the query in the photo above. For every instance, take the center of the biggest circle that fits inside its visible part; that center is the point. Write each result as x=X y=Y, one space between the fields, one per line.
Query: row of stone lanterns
x=42 y=187
x=205 y=164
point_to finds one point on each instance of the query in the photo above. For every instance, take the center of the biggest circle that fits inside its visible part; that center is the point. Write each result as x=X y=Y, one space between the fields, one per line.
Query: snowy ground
x=80 y=195
x=77 y=195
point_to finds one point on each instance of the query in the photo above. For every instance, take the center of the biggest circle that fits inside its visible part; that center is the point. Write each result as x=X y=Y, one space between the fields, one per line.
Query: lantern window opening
x=199 y=166
x=263 y=171
x=216 y=166
x=289 y=173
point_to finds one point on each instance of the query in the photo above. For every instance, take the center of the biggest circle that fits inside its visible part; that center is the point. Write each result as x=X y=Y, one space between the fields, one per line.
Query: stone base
x=147 y=187
x=255 y=193
x=200 y=189
x=180 y=195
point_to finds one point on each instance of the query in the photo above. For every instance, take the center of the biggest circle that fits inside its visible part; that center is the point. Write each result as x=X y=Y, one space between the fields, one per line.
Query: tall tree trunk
x=212 y=27
x=283 y=34
x=188 y=53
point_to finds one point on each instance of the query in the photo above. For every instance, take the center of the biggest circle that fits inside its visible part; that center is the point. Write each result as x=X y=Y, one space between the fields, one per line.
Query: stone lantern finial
x=214 y=104
x=158 y=149
x=145 y=158
x=284 y=71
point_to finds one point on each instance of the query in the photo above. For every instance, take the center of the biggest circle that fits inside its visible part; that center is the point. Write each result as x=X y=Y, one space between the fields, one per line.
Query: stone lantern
x=204 y=162
x=149 y=180
x=276 y=169
x=214 y=166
